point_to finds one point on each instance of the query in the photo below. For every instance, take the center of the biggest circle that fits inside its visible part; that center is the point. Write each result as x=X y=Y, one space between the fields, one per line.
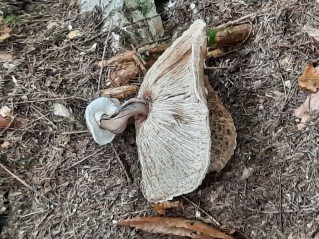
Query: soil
x=270 y=188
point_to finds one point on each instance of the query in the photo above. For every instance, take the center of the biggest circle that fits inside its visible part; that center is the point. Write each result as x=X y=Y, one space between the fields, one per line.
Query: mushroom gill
x=177 y=114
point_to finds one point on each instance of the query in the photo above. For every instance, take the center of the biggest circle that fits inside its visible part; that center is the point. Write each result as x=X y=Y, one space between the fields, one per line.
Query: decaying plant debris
x=129 y=65
x=176 y=226
x=84 y=186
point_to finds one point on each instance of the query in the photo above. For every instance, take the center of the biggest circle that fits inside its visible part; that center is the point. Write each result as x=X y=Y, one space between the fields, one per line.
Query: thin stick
x=17 y=178
x=215 y=67
x=129 y=180
x=240 y=19
x=52 y=99
x=85 y=158
x=25 y=184
x=203 y=211
x=75 y=132
x=103 y=56
x=280 y=202
x=42 y=115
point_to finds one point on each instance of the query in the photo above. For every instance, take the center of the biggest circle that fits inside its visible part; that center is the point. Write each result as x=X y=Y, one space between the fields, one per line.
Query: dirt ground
x=78 y=188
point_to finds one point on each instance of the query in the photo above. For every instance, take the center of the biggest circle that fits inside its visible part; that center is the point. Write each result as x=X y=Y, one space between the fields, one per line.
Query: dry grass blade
x=175 y=226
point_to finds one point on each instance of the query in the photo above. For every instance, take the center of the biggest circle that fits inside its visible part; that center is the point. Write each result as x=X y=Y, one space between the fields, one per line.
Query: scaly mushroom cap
x=223 y=130
x=174 y=140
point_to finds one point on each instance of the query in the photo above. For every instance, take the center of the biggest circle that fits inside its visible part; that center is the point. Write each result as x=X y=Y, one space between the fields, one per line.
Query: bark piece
x=120 y=92
x=229 y=36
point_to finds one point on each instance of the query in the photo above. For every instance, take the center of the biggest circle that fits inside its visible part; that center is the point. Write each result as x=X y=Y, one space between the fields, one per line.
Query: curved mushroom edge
x=94 y=111
x=197 y=34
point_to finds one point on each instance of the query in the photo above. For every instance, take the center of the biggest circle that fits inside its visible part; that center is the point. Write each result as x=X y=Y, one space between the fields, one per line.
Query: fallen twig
x=129 y=180
x=25 y=184
x=82 y=160
x=103 y=56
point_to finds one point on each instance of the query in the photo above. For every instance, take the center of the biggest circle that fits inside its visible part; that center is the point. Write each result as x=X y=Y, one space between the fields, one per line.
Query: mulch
x=270 y=189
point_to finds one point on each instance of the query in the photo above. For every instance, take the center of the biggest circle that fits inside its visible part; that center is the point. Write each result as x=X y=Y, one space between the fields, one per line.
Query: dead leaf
x=160 y=207
x=309 y=79
x=5 y=144
x=120 y=92
x=5 y=122
x=304 y=111
x=175 y=226
x=4 y=111
x=4 y=37
x=74 y=34
x=12 y=122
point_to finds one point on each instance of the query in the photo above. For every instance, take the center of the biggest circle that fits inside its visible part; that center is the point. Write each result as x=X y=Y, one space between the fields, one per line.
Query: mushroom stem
x=118 y=122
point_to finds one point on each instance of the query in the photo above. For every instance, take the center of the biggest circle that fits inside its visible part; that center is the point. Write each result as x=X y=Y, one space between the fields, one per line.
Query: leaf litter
x=309 y=81
x=176 y=226
x=86 y=181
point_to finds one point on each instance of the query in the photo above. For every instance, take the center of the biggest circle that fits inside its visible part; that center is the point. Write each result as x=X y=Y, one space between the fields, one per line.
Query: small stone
x=287 y=83
x=247 y=172
x=197 y=214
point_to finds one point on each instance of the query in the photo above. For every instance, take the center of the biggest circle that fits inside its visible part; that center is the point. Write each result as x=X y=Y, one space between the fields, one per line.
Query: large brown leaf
x=309 y=80
x=176 y=226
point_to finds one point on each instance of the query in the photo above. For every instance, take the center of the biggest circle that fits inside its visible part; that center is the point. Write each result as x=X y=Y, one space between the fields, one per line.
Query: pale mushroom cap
x=174 y=141
x=93 y=112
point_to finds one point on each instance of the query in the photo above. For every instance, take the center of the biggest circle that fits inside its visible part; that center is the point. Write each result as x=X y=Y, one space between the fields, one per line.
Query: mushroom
x=176 y=111
x=93 y=113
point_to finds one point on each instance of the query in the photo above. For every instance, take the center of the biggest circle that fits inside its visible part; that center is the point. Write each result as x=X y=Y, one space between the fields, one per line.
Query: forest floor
x=77 y=188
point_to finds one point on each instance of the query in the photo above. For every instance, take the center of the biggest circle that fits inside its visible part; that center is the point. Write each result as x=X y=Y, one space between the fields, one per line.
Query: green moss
x=11 y=18
x=211 y=34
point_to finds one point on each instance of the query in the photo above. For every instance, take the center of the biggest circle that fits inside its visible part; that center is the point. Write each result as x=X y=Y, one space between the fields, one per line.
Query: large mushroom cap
x=174 y=141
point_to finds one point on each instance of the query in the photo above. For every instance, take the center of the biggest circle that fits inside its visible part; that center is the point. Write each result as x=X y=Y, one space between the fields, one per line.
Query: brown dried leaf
x=120 y=92
x=11 y=122
x=304 y=111
x=5 y=122
x=175 y=226
x=309 y=79
x=160 y=207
